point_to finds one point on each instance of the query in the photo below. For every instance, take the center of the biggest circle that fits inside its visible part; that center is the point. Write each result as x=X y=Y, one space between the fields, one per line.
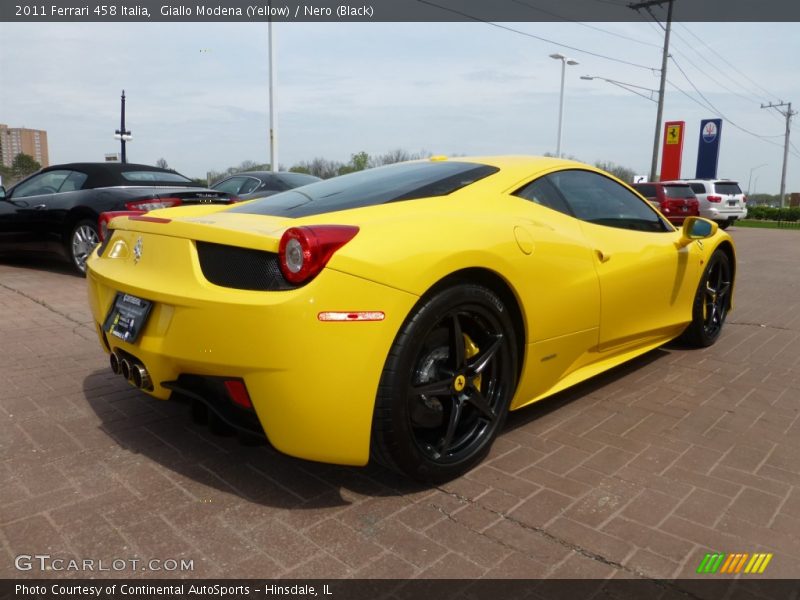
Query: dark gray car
x=258 y=184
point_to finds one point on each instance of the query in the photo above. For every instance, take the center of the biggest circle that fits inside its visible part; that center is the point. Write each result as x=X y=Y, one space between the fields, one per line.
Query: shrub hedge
x=766 y=213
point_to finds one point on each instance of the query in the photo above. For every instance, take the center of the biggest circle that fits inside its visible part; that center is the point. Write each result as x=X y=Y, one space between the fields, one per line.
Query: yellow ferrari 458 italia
x=398 y=314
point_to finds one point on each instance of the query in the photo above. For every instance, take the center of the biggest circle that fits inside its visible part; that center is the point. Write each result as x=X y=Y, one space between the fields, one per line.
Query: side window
x=74 y=182
x=249 y=185
x=597 y=199
x=698 y=188
x=46 y=183
x=230 y=186
x=542 y=192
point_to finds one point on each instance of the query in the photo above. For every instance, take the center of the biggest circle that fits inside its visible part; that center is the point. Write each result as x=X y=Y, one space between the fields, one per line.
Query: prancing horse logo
x=137 y=251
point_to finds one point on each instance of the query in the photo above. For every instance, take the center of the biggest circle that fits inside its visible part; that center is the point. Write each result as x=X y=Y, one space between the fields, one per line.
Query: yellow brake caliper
x=470 y=350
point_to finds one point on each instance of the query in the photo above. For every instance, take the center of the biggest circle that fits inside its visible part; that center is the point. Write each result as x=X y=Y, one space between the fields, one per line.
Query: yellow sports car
x=398 y=314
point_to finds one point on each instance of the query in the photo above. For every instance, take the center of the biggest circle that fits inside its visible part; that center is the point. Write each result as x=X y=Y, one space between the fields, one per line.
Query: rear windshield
x=647 y=190
x=402 y=181
x=297 y=179
x=678 y=191
x=153 y=176
x=727 y=187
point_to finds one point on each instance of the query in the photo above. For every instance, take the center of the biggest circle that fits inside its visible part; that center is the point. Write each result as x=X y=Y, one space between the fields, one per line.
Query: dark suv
x=676 y=201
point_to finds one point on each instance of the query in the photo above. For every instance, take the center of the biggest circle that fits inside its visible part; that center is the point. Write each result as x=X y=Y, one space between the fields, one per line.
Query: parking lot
x=637 y=473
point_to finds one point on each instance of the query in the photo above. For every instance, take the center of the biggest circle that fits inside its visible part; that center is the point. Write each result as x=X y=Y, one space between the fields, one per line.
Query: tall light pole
x=273 y=134
x=625 y=86
x=751 y=176
x=122 y=134
x=564 y=62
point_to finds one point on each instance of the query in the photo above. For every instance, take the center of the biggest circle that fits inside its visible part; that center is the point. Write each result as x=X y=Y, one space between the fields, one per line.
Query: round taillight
x=294 y=256
x=304 y=251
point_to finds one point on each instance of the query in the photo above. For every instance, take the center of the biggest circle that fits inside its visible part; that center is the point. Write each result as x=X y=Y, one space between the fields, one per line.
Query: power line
x=712 y=78
x=705 y=73
x=714 y=108
x=696 y=101
x=725 y=60
x=537 y=37
x=606 y=31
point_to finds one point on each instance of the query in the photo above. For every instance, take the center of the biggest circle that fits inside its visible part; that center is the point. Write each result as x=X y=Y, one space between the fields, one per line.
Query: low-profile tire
x=82 y=239
x=711 y=302
x=446 y=386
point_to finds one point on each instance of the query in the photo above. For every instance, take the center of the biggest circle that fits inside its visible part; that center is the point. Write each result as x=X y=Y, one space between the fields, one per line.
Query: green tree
x=24 y=165
x=7 y=175
x=358 y=162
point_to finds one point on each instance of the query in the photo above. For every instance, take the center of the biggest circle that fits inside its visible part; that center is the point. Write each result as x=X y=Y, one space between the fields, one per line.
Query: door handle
x=40 y=207
x=602 y=256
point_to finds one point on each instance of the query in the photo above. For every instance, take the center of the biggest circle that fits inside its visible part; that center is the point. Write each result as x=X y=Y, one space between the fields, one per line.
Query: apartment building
x=16 y=140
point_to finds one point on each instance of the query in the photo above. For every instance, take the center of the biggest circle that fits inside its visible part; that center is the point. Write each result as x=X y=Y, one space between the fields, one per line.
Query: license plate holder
x=127 y=317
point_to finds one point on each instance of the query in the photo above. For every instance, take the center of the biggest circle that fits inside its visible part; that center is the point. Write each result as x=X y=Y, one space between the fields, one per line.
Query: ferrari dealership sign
x=672 y=150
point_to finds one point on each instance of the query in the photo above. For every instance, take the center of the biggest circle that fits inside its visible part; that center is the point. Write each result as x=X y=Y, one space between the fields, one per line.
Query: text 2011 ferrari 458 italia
x=399 y=313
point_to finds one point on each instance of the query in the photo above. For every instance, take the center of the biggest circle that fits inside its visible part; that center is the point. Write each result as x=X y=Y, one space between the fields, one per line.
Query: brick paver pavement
x=637 y=473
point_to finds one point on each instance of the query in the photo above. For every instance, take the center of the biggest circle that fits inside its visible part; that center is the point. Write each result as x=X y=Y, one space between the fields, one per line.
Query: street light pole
x=122 y=134
x=751 y=176
x=625 y=86
x=273 y=134
x=564 y=62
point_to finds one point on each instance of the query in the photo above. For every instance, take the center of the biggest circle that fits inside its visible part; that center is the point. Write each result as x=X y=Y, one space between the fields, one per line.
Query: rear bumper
x=312 y=383
x=723 y=213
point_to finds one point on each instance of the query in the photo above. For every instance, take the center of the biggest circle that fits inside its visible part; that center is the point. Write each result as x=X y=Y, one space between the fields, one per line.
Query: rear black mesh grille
x=241 y=268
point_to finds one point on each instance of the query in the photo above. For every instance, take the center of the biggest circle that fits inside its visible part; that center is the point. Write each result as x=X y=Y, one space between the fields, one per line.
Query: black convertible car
x=57 y=208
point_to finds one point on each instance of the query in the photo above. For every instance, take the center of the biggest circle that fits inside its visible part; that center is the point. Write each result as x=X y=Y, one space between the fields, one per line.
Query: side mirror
x=2 y=192
x=696 y=228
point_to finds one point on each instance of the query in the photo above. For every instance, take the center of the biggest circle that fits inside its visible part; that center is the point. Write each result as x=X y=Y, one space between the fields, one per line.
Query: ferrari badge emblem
x=137 y=251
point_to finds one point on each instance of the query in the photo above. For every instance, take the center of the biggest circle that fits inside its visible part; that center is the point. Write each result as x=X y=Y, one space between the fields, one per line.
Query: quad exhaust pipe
x=134 y=372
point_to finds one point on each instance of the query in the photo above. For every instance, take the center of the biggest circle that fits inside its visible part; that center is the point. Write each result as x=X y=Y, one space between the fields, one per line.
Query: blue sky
x=198 y=93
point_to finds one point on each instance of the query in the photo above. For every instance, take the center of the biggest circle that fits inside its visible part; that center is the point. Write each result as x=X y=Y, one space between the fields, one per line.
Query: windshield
x=678 y=191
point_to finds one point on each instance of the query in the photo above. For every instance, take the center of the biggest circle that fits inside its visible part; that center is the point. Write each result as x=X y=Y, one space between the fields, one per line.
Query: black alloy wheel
x=711 y=302
x=447 y=385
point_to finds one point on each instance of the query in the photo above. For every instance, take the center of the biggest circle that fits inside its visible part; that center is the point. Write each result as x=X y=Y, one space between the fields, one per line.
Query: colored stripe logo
x=732 y=564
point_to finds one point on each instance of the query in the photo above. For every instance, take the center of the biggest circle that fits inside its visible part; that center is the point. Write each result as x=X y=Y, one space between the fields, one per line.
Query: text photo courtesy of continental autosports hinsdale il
x=390 y=296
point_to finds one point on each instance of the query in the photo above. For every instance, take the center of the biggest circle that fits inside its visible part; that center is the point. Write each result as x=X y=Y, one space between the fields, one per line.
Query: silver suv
x=721 y=200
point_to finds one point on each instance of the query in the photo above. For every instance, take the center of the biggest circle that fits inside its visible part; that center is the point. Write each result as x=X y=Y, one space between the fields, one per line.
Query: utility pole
x=788 y=113
x=664 y=57
x=273 y=134
x=122 y=134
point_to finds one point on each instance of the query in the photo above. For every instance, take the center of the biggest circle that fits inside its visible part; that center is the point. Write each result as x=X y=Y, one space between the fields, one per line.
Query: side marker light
x=370 y=315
